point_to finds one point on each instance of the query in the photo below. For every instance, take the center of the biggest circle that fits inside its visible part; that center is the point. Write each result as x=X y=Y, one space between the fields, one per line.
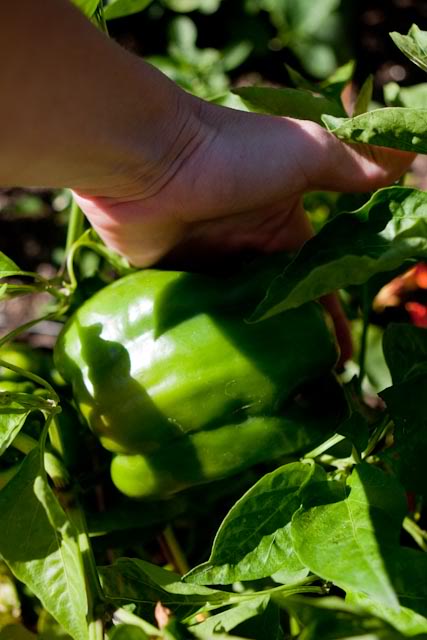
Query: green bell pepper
x=168 y=373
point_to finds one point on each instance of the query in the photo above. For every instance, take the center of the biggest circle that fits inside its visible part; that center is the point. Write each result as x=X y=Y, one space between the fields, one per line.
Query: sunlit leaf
x=39 y=545
x=254 y=540
x=294 y=103
x=345 y=534
x=413 y=45
x=388 y=230
x=394 y=127
x=122 y=8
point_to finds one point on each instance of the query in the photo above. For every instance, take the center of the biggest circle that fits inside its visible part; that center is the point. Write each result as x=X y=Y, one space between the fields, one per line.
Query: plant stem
x=94 y=591
x=418 y=534
x=75 y=226
x=55 y=468
x=366 y=308
x=179 y=559
x=21 y=329
x=27 y=374
x=328 y=444
x=126 y=617
x=377 y=435
x=96 y=630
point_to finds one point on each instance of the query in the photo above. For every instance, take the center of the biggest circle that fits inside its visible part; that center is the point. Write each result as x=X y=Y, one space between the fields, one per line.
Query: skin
x=157 y=171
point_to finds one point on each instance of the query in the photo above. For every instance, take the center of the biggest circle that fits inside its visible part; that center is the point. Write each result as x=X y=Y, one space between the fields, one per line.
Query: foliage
x=325 y=544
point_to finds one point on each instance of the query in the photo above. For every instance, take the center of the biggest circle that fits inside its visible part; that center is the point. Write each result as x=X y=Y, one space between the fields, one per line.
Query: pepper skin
x=164 y=361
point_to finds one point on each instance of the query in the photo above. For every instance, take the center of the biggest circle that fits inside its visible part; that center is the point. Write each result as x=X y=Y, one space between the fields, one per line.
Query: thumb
x=333 y=165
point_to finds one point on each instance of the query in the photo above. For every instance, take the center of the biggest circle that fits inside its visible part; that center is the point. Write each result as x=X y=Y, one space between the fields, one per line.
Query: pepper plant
x=289 y=506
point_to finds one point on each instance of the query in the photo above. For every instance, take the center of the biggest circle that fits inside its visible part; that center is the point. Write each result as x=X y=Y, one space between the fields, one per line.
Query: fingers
x=333 y=165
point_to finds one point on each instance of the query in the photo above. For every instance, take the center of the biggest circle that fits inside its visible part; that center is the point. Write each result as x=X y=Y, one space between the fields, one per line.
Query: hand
x=235 y=185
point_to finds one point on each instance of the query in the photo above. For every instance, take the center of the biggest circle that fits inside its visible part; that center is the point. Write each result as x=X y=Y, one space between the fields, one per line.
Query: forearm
x=76 y=109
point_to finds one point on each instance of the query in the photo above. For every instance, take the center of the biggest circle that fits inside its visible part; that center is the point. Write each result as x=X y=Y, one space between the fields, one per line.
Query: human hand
x=236 y=184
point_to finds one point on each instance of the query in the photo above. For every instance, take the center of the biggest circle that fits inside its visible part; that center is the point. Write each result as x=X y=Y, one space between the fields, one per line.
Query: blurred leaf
x=351 y=248
x=88 y=7
x=16 y=632
x=413 y=45
x=183 y=33
x=47 y=558
x=414 y=97
x=8 y=267
x=235 y=55
x=184 y=6
x=10 y=606
x=254 y=539
x=364 y=97
x=294 y=103
x=12 y=419
x=333 y=619
x=394 y=127
x=307 y=16
x=405 y=620
x=361 y=517
x=128 y=632
x=376 y=367
x=49 y=629
x=318 y=58
x=121 y=8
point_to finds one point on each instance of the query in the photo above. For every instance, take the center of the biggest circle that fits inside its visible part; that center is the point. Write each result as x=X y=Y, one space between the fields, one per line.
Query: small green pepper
x=163 y=364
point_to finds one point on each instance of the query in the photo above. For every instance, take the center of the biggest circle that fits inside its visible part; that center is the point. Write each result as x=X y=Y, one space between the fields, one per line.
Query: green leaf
x=405 y=347
x=12 y=419
x=388 y=230
x=376 y=368
x=344 y=536
x=405 y=620
x=121 y=8
x=128 y=632
x=356 y=429
x=414 y=97
x=254 y=539
x=8 y=267
x=306 y=16
x=408 y=570
x=225 y=621
x=333 y=619
x=394 y=127
x=184 y=6
x=88 y=7
x=365 y=96
x=406 y=404
x=16 y=632
x=294 y=103
x=136 y=581
x=40 y=547
x=413 y=45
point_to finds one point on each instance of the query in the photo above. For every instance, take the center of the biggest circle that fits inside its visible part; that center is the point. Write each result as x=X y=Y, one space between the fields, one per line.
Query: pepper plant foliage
x=325 y=542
